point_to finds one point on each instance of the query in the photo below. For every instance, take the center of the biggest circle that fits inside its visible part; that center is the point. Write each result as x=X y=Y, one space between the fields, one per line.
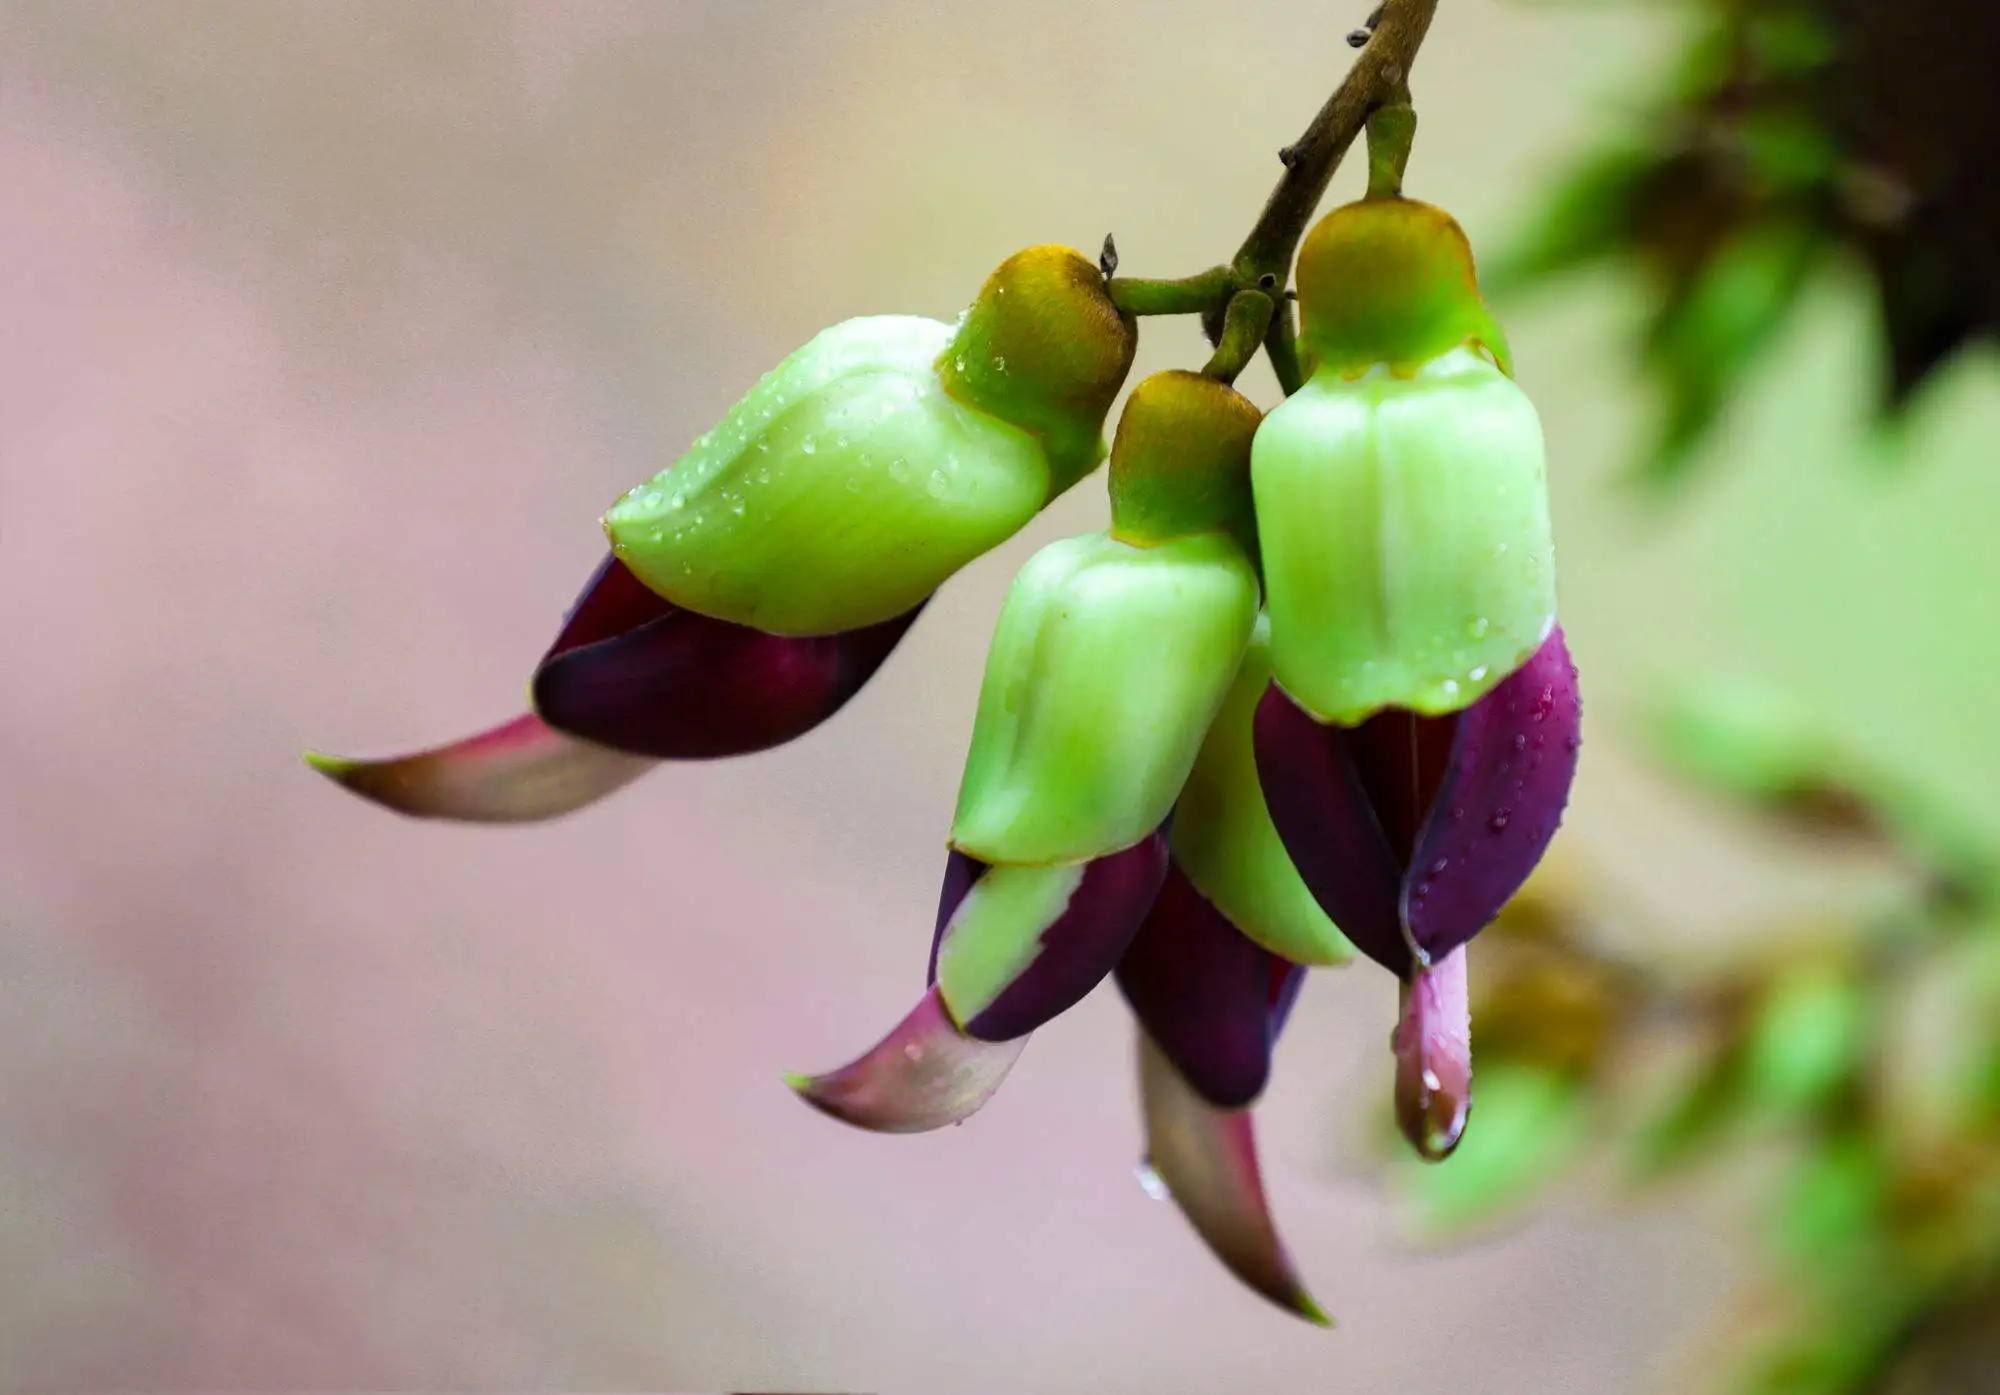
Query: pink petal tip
x=521 y=772
x=1207 y=1158
x=922 y=1076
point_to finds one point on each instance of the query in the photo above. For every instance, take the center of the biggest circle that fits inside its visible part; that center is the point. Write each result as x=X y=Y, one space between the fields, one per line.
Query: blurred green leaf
x=1829 y=1214
x=1807 y=1041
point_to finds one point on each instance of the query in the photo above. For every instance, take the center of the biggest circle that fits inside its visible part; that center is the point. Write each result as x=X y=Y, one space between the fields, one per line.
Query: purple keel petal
x=683 y=686
x=1207 y=1158
x=1329 y=826
x=613 y=602
x=1433 y=1046
x=517 y=773
x=923 y=1075
x=1500 y=802
x=1205 y=994
x=1077 y=949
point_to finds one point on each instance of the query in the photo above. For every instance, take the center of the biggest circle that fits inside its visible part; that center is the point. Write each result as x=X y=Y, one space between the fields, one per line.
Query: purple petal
x=1500 y=802
x=1433 y=1046
x=1081 y=946
x=1329 y=826
x=682 y=686
x=923 y=1075
x=1207 y=1157
x=517 y=773
x=1205 y=993
x=961 y=872
x=613 y=602
x=1414 y=832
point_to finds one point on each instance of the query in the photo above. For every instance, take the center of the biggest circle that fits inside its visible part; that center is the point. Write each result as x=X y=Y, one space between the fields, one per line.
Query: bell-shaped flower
x=1113 y=655
x=885 y=455
x=758 y=583
x=1419 y=738
x=1402 y=493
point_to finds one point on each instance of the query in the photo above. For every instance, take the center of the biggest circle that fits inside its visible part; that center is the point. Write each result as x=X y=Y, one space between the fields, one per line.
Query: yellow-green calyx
x=1044 y=348
x=1181 y=462
x=1390 y=281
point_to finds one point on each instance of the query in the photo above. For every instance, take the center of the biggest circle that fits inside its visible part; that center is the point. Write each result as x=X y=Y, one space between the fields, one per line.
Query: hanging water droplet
x=1501 y=818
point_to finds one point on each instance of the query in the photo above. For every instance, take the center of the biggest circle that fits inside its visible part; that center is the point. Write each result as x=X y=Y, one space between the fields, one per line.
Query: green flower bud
x=1402 y=494
x=1044 y=348
x=1408 y=555
x=1390 y=281
x=1107 y=667
x=1225 y=842
x=1181 y=461
x=885 y=455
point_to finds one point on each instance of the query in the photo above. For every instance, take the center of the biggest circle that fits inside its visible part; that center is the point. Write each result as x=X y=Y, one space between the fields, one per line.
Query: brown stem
x=1380 y=72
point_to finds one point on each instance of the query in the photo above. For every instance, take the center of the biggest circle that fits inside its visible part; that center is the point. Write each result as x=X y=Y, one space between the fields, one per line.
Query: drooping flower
x=1419 y=739
x=761 y=580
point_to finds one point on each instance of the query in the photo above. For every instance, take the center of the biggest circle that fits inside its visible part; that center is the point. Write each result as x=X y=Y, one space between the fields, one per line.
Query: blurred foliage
x=1859 y=1059
x=1848 y=1069
x=1791 y=132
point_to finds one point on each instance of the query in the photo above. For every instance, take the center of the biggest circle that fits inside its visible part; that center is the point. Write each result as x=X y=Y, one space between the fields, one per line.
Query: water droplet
x=1431 y=1081
x=1440 y=867
x=1572 y=743
x=913 y=1051
x=959 y=363
x=1449 y=687
x=1477 y=674
x=899 y=470
x=809 y=446
x=940 y=484
x=1521 y=741
x=1478 y=628
x=1150 y=1182
x=840 y=441
x=1501 y=818
x=1458 y=813
x=999 y=363
x=764 y=447
x=737 y=508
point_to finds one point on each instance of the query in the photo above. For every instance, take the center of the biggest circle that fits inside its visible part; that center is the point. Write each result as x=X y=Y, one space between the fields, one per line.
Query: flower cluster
x=1305 y=696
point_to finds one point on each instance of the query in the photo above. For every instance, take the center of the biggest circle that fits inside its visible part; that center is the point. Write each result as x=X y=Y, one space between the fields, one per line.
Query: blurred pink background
x=330 y=329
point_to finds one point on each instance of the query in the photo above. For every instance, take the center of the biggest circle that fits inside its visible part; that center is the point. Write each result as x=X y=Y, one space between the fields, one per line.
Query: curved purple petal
x=1329 y=826
x=1413 y=832
x=961 y=872
x=613 y=602
x=682 y=686
x=1205 y=993
x=521 y=772
x=922 y=1076
x=1207 y=1157
x=1433 y=1046
x=1081 y=946
x=1500 y=802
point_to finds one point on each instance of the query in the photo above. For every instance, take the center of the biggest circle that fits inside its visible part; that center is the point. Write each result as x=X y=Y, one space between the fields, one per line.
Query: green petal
x=1107 y=667
x=1224 y=839
x=843 y=490
x=1408 y=554
x=997 y=932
